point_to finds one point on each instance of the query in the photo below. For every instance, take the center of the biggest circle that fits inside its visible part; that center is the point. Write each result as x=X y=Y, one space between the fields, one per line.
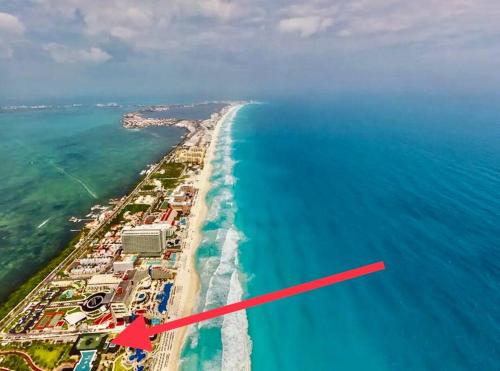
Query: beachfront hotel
x=192 y=154
x=125 y=264
x=145 y=240
x=181 y=199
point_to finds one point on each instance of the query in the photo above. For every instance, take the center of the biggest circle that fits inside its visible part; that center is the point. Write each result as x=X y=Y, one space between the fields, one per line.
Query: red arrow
x=137 y=334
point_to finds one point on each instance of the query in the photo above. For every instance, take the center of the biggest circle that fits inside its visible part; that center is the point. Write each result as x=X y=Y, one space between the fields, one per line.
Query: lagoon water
x=58 y=162
x=306 y=189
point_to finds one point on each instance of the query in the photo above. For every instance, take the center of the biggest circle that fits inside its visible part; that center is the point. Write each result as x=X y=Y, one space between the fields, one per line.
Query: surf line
x=137 y=334
x=86 y=187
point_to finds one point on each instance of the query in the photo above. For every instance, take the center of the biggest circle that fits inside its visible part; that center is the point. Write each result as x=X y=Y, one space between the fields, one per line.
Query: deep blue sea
x=304 y=189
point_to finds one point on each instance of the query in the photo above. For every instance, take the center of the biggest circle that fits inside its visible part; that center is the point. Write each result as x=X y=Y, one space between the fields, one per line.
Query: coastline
x=185 y=292
x=69 y=238
x=188 y=275
x=17 y=296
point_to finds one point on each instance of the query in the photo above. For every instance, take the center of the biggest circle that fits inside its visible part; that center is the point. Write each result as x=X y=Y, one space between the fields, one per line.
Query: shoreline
x=189 y=276
x=69 y=239
x=17 y=295
x=185 y=292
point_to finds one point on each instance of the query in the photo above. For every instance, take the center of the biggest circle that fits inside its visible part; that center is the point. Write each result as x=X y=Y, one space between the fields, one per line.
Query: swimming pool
x=162 y=307
x=86 y=360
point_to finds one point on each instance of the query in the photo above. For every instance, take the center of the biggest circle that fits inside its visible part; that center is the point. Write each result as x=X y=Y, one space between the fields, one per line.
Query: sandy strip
x=187 y=280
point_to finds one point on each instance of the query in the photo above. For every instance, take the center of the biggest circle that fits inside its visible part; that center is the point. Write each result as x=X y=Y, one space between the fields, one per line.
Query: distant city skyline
x=216 y=48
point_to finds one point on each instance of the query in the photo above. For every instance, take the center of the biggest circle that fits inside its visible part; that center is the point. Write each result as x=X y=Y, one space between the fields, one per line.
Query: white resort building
x=192 y=154
x=145 y=240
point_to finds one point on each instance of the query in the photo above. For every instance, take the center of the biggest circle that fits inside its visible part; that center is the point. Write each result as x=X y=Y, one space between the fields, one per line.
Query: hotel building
x=145 y=240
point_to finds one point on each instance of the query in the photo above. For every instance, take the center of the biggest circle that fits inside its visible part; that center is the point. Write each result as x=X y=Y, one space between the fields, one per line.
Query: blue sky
x=241 y=48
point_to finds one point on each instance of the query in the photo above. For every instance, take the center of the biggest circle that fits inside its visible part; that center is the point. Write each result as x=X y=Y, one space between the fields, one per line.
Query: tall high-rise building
x=145 y=240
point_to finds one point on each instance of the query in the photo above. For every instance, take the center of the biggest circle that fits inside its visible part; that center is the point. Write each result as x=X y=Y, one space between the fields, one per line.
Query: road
x=82 y=246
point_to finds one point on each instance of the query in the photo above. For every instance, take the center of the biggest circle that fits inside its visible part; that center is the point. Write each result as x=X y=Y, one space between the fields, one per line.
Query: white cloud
x=10 y=24
x=121 y=22
x=175 y=30
x=11 y=31
x=367 y=24
x=159 y=25
x=220 y=8
x=63 y=54
x=370 y=18
x=305 y=26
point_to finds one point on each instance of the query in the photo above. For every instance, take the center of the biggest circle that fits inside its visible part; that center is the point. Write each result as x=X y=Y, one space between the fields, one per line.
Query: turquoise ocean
x=57 y=162
x=303 y=189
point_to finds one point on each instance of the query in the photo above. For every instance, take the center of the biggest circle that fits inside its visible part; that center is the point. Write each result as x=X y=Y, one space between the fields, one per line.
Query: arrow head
x=136 y=335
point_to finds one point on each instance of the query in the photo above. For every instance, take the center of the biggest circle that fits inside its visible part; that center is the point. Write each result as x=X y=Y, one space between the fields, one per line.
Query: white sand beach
x=167 y=355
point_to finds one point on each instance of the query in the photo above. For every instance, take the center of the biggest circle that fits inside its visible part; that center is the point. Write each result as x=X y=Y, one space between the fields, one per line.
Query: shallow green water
x=56 y=163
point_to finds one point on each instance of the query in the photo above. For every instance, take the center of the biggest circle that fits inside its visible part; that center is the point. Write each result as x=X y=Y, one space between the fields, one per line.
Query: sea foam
x=236 y=344
x=219 y=270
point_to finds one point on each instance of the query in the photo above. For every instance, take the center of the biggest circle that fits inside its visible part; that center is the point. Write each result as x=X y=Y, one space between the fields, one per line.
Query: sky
x=245 y=48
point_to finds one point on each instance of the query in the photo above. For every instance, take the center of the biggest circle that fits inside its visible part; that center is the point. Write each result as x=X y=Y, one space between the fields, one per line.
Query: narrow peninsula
x=135 y=256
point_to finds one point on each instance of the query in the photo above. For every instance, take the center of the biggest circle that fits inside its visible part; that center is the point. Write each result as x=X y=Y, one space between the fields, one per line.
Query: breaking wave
x=219 y=269
x=219 y=283
x=236 y=344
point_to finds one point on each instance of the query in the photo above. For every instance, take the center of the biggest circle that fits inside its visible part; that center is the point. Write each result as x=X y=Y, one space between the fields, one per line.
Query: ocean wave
x=219 y=203
x=212 y=364
x=229 y=180
x=218 y=286
x=219 y=273
x=236 y=344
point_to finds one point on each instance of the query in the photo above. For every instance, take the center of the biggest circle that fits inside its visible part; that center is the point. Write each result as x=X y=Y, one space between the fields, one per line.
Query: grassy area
x=169 y=174
x=49 y=355
x=148 y=187
x=136 y=208
x=45 y=355
x=14 y=362
x=89 y=342
x=23 y=290
x=72 y=298
x=170 y=183
x=131 y=208
x=169 y=170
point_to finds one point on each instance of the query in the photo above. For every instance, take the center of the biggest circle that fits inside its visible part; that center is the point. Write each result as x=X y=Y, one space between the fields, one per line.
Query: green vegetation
x=45 y=355
x=49 y=355
x=14 y=362
x=135 y=208
x=170 y=170
x=119 y=218
x=169 y=183
x=148 y=187
x=23 y=290
x=70 y=296
x=89 y=342
x=169 y=174
x=131 y=208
